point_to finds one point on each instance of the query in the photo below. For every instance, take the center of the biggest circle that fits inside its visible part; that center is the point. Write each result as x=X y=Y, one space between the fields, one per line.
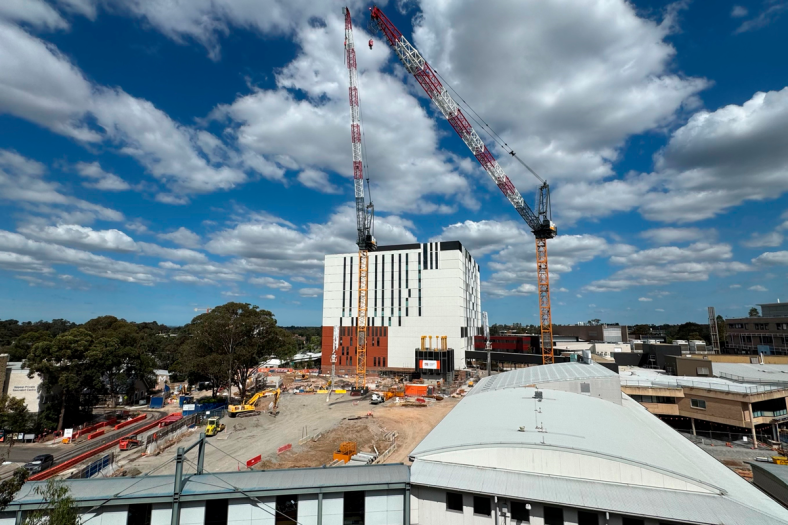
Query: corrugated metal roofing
x=581 y=424
x=541 y=374
x=625 y=499
x=754 y=373
x=778 y=471
x=223 y=483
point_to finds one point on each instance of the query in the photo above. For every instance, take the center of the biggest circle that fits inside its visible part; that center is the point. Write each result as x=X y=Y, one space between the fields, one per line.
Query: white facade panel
x=384 y=507
x=192 y=513
x=245 y=512
x=333 y=509
x=307 y=509
x=414 y=290
x=161 y=514
x=113 y=516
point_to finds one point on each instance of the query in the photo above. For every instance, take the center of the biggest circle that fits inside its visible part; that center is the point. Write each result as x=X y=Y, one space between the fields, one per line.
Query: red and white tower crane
x=539 y=222
x=365 y=213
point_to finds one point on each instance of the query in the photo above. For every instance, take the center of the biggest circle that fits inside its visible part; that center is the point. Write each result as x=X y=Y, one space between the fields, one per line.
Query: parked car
x=40 y=463
x=376 y=399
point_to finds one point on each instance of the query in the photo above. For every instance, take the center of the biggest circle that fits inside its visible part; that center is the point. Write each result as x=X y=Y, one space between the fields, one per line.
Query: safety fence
x=100 y=465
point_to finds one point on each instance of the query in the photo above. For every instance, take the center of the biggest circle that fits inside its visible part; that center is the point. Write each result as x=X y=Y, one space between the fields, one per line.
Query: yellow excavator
x=248 y=408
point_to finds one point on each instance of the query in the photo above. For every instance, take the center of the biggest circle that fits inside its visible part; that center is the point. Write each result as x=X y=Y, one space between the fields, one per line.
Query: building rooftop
x=752 y=373
x=89 y=492
x=581 y=451
x=649 y=378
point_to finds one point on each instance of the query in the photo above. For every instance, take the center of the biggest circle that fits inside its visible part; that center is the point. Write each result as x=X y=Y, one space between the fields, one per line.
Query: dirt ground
x=299 y=416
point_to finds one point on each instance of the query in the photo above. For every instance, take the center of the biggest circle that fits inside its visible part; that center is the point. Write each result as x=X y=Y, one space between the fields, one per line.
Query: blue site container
x=185 y=400
x=156 y=402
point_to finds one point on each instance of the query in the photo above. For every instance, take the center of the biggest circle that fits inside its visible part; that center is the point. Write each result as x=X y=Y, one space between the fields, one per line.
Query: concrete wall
x=608 y=388
x=25 y=388
x=718 y=410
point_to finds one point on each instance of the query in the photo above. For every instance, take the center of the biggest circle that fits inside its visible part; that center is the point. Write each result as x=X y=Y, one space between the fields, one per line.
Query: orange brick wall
x=377 y=348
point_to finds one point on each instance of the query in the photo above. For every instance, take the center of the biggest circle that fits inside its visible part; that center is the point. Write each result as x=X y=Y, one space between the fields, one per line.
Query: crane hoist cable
x=365 y=213
x=540 y=222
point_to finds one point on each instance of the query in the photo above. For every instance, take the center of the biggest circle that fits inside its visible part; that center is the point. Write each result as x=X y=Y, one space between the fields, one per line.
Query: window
x=354 y=508
x=519 y=511
x=553 y=516
x=454 y=501
x=481 y=505
x=287 y=510
x=737 y=326
x=782 y=326
x=702 y=370
x=139 y=514
x=698 y=403
x=632 y=521
x=585 y=388
x=587 y=518
x=761 y=326
x=216 y=512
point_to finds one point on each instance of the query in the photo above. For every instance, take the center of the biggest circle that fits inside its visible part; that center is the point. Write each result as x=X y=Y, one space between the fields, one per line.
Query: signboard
x=191 y=407
x=68 y=433
x=254 y=461
x=430 y=365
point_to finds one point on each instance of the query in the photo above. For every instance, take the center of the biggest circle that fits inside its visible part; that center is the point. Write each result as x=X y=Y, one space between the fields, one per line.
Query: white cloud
x=645 y=299
x=40 y=255
x=22 y=182
x=37 y=13
x=596 y=74
x=668 y=264
x=771 y=259
x=677 y=235
x=270 y=282
x=267 y=244
x=738 y=11
x=764 y=18
x=483 y=237
x=659 y=310
x=318 y=181
x=760 y=240
x=734 y=286
x=699 y=171
x=83 y=237
x=758 y=288
x=268 y=296
x=102 y=180
x=182 y=237
x=310 y=292
x=39 y=84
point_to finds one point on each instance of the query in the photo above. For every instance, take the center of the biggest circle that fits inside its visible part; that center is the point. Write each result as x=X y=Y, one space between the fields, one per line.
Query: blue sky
x=158 y=158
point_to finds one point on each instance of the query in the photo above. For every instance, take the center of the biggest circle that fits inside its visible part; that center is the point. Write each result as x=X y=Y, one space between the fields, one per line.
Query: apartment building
x=767 y=334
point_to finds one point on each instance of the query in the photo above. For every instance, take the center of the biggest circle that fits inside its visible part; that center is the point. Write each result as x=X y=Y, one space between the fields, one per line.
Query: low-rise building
x=759 y=335
x=602 y=332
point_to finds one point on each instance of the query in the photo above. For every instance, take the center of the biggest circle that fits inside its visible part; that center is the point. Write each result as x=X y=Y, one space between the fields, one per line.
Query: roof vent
x=538 y=395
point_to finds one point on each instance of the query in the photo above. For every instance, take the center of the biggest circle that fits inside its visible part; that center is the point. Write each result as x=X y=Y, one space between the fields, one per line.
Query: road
x=20 y=453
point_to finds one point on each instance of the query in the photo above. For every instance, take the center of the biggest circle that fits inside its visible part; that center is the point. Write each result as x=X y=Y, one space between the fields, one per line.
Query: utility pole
x=333 y=361
x=487 y=345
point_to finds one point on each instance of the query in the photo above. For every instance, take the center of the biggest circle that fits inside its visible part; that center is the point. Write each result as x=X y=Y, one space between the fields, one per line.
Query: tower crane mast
x=540 y=221
x=365 y=213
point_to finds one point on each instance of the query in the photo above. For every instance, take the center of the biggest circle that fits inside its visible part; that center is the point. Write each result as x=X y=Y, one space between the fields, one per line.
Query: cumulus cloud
x=83 y=237
x=40 y=84
x=40 y=256
x=677 y=235
x=268 y=296
x=760 y=240
x=668 y=264
x=738 y=11
x=758 y=288
x=771 y=259
x=100 y=179
x=182 y=237
x=36 y=13
x=270 y=282
x=22 y=182
x=734 y=286
x=310 y=292
x=318 y=181
x=645 y=299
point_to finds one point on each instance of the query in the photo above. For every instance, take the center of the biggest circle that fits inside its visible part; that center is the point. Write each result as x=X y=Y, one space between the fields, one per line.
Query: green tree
x=65 y=369
x=59 y=507
x=14 y=415
x=641 y=329
x=754 y=312
x=11 y=485
x=594 y=322
x=241 y=334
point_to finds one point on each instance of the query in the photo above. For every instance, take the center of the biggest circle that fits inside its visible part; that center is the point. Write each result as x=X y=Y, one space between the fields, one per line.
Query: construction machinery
x=248 y=408
x=273 y=407
x=129 y=442
x=540 y=221
x=213 y=427
x=347 y=450
x=365 y=213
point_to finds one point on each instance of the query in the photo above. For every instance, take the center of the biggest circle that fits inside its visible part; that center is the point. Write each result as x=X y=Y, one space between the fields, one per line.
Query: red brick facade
x=377 y=349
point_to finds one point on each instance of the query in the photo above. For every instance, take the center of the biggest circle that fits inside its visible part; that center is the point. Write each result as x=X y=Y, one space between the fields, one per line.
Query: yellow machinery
x=346 y=451
x=248 y=408
x=213 y=427
x=275 y=403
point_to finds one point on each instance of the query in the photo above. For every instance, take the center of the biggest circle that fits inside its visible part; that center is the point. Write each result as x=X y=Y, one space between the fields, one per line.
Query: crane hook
x=370 y=43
